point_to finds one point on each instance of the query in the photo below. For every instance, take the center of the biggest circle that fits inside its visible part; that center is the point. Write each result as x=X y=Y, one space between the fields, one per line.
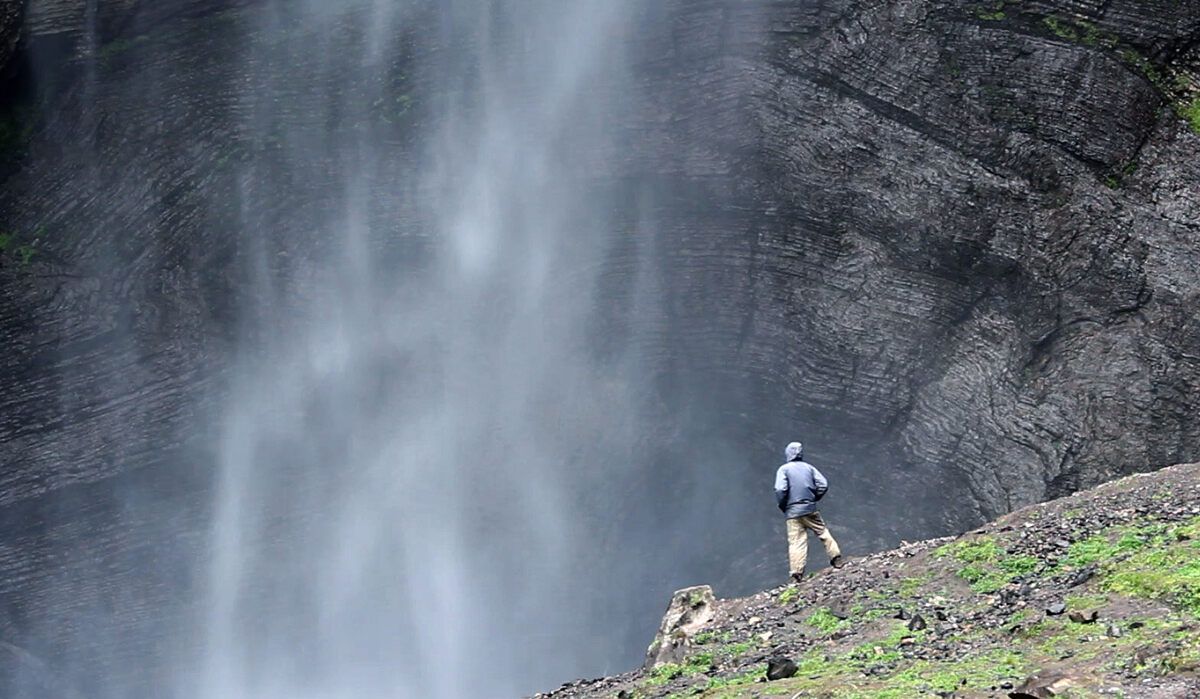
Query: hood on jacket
x=794 y=451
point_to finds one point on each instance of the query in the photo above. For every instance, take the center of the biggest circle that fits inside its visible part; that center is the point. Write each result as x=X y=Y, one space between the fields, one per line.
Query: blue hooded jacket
x=798 y=485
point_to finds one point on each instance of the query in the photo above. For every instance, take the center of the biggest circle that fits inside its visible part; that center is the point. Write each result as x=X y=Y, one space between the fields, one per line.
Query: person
x=799 y=486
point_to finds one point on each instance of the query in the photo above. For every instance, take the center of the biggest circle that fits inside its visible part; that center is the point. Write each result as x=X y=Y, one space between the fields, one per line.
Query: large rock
x=690 y=610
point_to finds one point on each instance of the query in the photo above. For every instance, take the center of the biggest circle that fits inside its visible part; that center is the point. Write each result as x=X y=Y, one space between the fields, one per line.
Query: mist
x=459 y=423
x=423 y=448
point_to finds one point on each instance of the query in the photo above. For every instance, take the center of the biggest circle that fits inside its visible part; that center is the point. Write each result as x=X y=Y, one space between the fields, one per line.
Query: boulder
x=781 y=669
x=690 y=610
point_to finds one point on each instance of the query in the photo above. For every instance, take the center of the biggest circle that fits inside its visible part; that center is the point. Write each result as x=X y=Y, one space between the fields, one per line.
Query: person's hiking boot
x=837 y=562
x=797 y=578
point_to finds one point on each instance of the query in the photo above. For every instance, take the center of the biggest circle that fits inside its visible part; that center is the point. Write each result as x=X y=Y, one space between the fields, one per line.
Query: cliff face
x=985 y=215
x=952 y=244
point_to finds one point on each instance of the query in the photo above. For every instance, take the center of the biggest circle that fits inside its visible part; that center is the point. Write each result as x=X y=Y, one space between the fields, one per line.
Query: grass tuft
x=988 y=567
x=824 y=620
x=1190 y=111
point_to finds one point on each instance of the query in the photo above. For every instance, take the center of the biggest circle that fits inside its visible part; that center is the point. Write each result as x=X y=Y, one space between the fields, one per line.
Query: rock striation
x=11 y=14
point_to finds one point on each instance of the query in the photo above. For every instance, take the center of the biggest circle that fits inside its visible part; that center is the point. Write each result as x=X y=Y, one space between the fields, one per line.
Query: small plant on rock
x=1190 y=111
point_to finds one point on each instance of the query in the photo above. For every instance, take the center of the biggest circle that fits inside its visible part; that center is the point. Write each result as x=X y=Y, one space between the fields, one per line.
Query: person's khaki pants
x=797 y=529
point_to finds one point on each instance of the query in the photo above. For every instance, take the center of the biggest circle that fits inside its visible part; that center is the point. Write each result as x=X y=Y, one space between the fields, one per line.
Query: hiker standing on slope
x=798 y=487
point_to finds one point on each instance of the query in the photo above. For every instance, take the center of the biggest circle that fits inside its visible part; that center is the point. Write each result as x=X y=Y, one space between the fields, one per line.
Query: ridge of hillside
x=1093 y=595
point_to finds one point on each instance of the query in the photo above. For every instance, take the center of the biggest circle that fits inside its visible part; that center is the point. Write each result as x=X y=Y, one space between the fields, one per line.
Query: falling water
x=405 y=504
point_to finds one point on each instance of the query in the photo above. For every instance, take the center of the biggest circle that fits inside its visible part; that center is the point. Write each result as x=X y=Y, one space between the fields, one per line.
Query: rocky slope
x=1097 y=594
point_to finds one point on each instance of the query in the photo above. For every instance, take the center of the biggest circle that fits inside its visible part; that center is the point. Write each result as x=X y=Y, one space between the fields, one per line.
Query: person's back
x=798 y=488
x=801 y=485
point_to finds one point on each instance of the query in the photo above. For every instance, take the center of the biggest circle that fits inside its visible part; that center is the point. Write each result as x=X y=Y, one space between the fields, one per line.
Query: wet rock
x=1056 y=609
x=780 y=669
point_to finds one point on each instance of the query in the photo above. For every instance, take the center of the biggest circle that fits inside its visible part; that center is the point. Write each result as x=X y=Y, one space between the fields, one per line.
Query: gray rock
x=1045 y=685
x=1081 y=576
x=1089 y=617
x=688 y=613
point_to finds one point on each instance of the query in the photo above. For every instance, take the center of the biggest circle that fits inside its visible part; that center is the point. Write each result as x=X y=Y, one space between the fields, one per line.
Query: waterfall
x=419 y=424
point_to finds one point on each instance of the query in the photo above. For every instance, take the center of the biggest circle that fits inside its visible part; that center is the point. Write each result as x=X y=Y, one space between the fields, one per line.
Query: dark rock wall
x=988 y=211
x=951 y=246
x=11 y=14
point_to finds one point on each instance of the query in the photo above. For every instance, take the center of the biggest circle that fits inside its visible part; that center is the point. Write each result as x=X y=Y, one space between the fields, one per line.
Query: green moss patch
x=920 y=678
x=1171 y=574
x=824 y=620
x=697 y=664
x=1190 y=111
x=987 y=566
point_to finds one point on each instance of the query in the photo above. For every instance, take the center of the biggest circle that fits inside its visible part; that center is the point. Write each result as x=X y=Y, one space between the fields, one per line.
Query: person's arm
x=820 y=485
x=781 y=489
